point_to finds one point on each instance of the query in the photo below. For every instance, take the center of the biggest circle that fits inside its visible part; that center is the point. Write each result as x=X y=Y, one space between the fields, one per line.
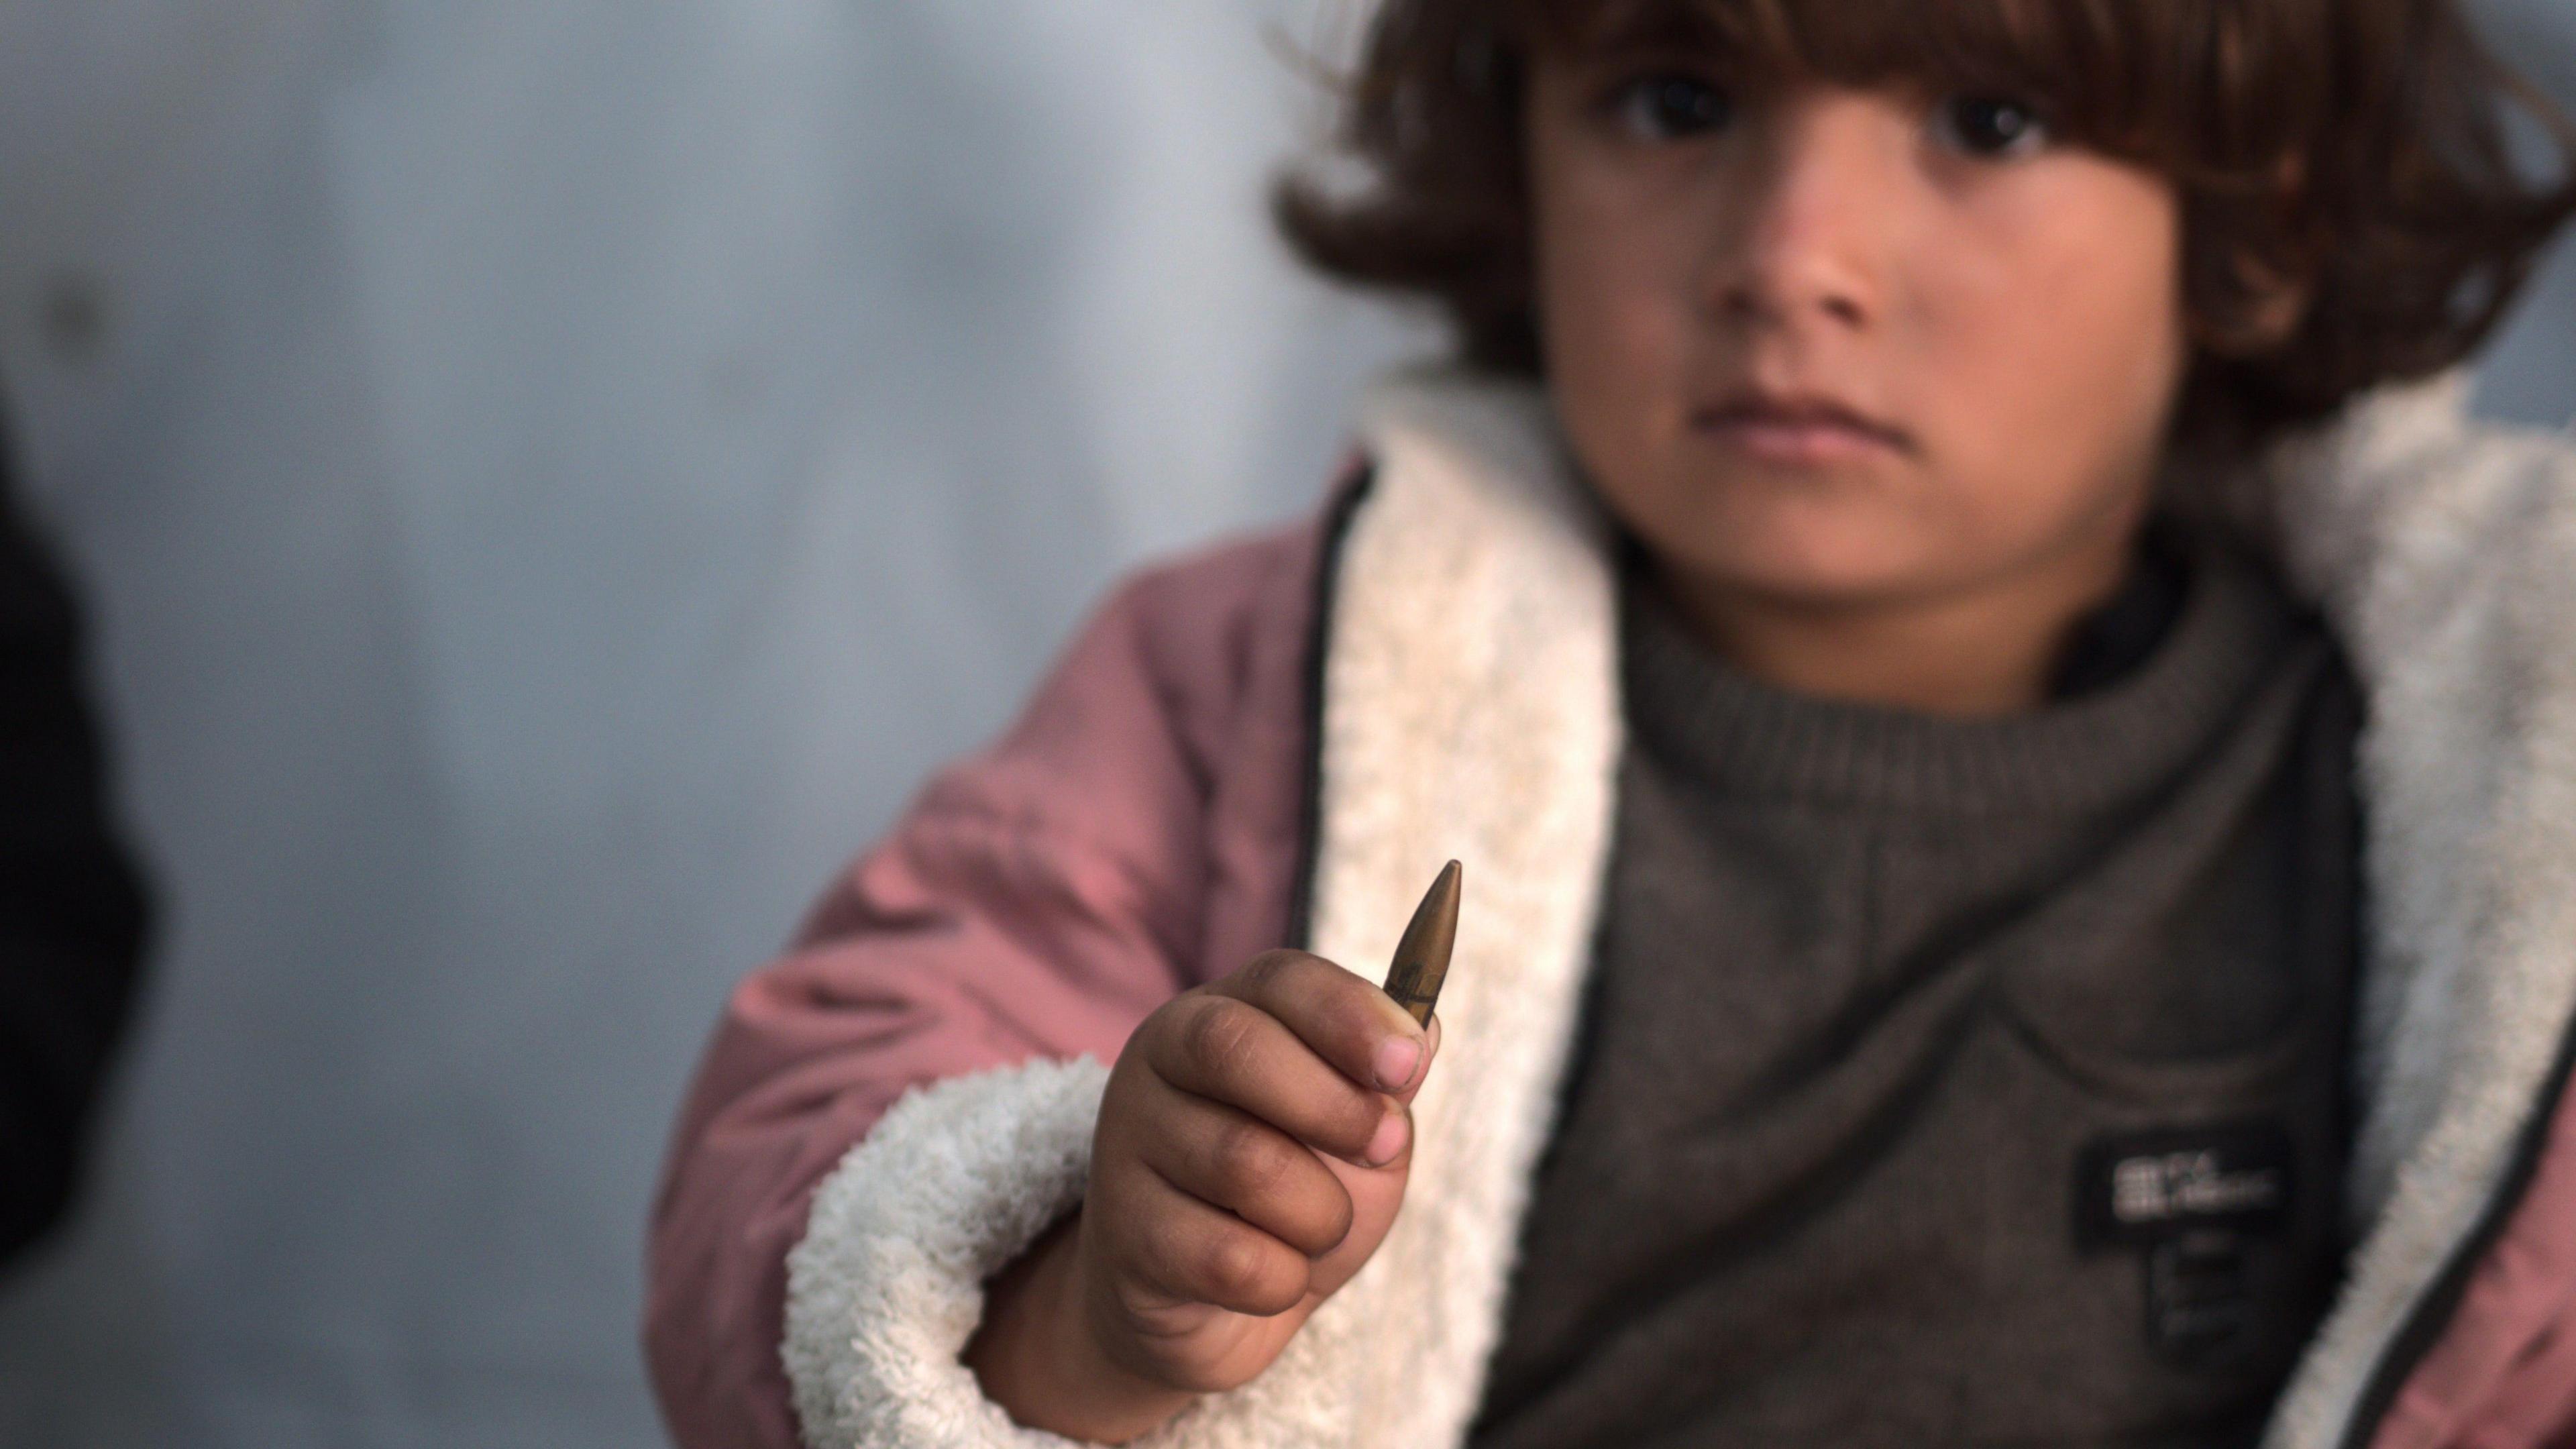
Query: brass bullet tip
x=1422 y=957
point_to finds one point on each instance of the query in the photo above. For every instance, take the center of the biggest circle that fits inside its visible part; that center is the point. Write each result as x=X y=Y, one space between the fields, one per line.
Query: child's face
x=1836 y=347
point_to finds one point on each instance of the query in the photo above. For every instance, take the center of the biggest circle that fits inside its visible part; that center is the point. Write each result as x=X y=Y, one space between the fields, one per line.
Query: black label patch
x=2190 y=1202
x=2143 y=1189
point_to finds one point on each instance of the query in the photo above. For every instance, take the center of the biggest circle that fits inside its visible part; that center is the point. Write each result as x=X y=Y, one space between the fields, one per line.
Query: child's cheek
x=1618 y=332
x=2048 y=348
x=1614 y=287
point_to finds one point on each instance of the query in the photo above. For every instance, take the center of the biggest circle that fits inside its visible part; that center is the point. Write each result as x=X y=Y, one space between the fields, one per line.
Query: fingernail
x=1388 y=1144
x=1397 y=1056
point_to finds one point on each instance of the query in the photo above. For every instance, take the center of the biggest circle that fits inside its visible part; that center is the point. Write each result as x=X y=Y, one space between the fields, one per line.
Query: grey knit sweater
x=1957 y=1083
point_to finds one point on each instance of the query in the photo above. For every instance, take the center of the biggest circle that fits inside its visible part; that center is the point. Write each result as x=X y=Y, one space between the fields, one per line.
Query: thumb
x=1430 y=1054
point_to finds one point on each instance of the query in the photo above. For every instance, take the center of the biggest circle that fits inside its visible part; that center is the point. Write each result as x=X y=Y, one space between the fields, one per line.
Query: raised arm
x=1132 y=836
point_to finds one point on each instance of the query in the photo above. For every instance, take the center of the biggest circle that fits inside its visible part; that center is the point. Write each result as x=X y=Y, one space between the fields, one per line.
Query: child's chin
x=1820 y=563
x=1827 y=589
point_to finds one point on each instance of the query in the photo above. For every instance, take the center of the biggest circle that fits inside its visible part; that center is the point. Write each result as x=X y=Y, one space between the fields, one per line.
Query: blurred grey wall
x=551 y=475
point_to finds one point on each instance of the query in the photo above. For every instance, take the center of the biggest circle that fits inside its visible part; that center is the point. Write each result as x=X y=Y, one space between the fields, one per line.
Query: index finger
x=1355 y=1027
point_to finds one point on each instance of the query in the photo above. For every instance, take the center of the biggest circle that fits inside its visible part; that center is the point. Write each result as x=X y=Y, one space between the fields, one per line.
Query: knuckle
x=1168 y=1025
x=1267 y=968
x=1292 y=976
x=1251 y=1159
x=1245 y=1272
x=1328 y=1223
x=1221 y=1037
x=1234 y=1266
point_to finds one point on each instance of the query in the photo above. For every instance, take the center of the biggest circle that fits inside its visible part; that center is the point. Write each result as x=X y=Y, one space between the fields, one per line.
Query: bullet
x=1422 y=957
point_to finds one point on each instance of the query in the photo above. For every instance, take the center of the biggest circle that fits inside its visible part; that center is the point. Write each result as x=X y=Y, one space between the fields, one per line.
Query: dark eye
x=1989 y=126
x=1667 y=108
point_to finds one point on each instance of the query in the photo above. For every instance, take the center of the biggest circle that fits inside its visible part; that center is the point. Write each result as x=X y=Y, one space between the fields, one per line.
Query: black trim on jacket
x=1339 y=514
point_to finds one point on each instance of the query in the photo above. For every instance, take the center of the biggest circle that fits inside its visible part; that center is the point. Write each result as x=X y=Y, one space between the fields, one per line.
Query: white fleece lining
x=955 y=1182
x=2446 y=555
x=1472 y=711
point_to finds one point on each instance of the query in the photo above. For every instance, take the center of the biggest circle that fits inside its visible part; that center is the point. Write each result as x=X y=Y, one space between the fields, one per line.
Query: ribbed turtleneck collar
x=1713 y=723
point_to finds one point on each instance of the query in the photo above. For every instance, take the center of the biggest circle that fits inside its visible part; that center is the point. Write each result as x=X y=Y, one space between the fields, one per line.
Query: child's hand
x=1252 y=1152
x=1251 y=1155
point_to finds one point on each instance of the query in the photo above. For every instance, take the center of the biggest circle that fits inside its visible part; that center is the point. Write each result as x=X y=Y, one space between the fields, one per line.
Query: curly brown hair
x=2362 y=156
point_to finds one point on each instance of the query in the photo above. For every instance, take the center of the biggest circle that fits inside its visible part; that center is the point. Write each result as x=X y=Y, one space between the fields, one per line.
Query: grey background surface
x=550 y=478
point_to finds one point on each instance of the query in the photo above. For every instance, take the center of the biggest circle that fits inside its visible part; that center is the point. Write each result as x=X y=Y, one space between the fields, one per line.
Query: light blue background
x=551 y=475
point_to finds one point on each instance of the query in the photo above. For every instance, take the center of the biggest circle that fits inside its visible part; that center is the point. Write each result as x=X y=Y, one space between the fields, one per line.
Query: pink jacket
x=1280 y=740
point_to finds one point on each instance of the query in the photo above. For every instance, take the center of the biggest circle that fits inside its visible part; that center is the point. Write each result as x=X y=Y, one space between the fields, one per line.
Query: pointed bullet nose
x=1422 y=957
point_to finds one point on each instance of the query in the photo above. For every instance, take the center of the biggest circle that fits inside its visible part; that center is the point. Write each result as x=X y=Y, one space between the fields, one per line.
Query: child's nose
x=1810 y=214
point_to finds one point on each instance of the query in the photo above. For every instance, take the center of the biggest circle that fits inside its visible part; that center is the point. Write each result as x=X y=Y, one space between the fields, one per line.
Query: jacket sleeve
x=1033 y=905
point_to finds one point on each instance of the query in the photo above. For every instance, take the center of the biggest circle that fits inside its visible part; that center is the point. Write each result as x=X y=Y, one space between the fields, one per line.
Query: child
x=1953 y=952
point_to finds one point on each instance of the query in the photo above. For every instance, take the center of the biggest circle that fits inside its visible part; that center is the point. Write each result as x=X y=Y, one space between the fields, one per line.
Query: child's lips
x=1799 y=432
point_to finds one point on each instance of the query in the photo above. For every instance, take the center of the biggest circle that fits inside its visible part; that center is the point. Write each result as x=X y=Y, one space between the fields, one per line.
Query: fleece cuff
x=953 y=1185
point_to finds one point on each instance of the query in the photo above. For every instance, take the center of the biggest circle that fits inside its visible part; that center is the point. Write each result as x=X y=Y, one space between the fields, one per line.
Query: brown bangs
x=2194 y=86
x=2358 y=155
